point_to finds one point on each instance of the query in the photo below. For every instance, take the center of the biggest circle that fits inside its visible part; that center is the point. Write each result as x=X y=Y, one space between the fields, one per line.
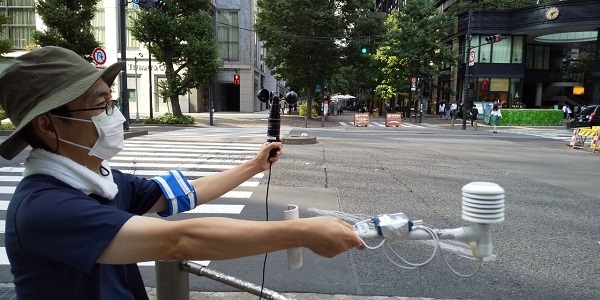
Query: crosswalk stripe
x=188 y=174
x=171 y=165
x=127 y=152
x=7 y=189
x=10 y=178
x=217 y=209
x=3 y=257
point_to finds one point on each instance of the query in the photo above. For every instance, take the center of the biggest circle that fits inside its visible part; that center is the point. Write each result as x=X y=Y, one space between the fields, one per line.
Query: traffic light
x=485 y=85
x=364 y=50
x=236 y=79
x=494 y=38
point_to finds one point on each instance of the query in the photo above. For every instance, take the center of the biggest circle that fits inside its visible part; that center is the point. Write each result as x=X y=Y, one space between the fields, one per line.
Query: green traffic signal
x=363 y=50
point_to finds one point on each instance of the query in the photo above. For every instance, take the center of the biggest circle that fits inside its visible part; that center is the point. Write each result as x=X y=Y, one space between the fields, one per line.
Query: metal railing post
x=172 y=283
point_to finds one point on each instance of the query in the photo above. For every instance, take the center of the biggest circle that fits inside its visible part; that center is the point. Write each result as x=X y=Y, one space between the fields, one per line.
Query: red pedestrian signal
x=485 y=84
x=236 y=79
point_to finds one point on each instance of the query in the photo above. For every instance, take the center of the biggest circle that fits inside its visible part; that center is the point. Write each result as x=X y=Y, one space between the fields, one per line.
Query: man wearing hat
x=74 y=227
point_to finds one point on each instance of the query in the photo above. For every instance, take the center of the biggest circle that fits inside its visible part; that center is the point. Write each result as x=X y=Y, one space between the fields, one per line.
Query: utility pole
x=466 y=94
x=123 y=45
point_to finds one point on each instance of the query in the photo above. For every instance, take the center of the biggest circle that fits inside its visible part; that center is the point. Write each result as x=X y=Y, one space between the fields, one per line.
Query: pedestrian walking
x=442 y=109
x=474 y=113
x=75 y=227
x=453 y=108
x=282 y=105
x=496 y=115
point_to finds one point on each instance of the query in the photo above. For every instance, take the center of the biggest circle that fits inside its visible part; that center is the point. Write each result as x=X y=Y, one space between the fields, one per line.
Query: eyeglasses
x=109 y=108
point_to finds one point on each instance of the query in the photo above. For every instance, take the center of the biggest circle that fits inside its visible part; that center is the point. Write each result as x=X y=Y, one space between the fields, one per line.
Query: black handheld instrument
x=274 y=125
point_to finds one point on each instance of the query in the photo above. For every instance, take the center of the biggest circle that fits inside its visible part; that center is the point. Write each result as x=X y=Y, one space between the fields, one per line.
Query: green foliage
x=464 y=6
x=412 y=46
x=8 y=126
x=181 y=37
x=170 y=119
x=69 y=25
x=314 y=112
x=535 y=117
x=363 y=71
x=5 y=126
x=300 y=37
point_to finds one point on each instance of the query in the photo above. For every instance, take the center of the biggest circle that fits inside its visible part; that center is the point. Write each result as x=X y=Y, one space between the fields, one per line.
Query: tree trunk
x=173 y=98
x=308 y=107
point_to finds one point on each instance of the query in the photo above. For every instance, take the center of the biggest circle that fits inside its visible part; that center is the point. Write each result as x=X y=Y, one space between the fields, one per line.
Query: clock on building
x=551 y=13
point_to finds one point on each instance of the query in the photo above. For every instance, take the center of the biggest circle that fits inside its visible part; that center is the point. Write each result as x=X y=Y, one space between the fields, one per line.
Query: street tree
x=413 y=46
x=301 y=38
x=5 y=44
x=464 y=6
x=181 y=36
x=68 y=25
x=364 y=35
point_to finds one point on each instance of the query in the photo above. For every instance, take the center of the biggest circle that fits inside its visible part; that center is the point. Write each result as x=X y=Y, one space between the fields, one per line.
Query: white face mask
x=110 y=134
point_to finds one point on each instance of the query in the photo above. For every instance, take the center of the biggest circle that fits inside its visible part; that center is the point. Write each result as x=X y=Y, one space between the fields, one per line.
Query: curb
x=133 y=133
x=302 y=139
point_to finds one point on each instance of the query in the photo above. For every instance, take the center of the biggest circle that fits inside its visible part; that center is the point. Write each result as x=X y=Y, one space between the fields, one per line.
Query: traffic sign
x=99 y=56
x=472 y=58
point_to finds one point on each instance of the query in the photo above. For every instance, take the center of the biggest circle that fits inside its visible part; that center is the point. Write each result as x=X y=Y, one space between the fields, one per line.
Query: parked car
x=588 y=117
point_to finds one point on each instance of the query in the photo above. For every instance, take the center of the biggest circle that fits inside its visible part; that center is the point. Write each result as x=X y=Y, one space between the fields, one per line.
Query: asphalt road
x=547 y=248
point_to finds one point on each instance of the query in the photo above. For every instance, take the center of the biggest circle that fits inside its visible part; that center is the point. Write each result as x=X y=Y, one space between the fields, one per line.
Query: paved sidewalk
x=298 y=296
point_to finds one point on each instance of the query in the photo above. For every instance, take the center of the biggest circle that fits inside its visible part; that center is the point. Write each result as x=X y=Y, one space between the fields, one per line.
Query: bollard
x=475 y=125
x=294 y=255
x=172 y=283
x=451 y=123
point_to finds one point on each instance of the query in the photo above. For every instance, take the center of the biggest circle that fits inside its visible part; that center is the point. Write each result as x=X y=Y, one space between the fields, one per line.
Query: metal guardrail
x=172 y=281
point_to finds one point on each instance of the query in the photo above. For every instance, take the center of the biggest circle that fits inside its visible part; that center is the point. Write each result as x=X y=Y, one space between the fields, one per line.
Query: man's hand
x=262 y=158
x=331 y=236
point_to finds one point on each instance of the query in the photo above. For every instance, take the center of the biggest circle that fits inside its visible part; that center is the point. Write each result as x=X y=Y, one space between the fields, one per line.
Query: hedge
x=534 y=117
x=314 y=113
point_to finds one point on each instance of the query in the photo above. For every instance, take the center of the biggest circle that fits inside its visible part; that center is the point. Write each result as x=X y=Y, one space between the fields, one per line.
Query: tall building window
x=485 y=51
x=501 y=51
x=228 y=35
x=130 y=15
x=22 y=23
x=538 y=57
x=98 y=23
x=517 y=50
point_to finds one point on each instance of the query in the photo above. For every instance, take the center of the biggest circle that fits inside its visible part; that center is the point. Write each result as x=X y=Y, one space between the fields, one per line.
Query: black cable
x=262 y=284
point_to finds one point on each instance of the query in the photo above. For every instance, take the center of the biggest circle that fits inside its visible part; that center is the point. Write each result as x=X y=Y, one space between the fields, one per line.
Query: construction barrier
x=594 y=144
x=361 y=119
x=580 y=137
x=574 y=142
x=393 y=120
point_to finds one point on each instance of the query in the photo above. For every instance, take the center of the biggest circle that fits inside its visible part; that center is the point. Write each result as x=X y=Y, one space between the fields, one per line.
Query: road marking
x=217 y=209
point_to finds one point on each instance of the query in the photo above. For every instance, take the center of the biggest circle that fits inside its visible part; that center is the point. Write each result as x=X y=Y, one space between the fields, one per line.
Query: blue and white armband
x=180 y=194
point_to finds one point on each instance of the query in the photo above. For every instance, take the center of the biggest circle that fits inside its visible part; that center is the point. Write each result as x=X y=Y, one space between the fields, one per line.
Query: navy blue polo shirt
x=55 y=234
